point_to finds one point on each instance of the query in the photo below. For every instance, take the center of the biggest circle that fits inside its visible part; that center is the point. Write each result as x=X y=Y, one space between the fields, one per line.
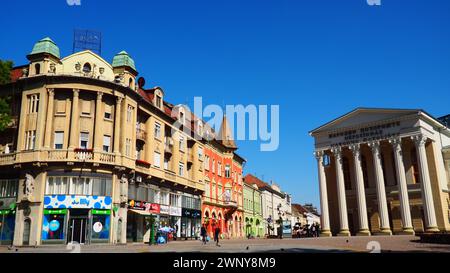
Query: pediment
x=101 y=68
x=362 y=116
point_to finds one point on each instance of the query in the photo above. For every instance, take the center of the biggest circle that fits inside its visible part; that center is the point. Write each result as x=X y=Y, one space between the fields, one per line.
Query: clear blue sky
x=317 y=59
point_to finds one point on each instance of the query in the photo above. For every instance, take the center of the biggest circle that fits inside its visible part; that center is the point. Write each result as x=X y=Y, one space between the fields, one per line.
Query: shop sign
x=164 y=209
x=97 y=227
x=6 y=211
x=174 y=211
x=101 y=212
x=77 y=202
x=55 y=211
x=54 y=225
x=139 y=205
x=191 y=213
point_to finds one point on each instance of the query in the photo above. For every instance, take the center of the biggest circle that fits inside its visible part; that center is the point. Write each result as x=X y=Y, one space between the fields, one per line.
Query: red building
x=223 y=197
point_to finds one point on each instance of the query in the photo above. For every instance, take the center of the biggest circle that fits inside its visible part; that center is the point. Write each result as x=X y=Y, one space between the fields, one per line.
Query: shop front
x=190 y=223
x=141 y=217
x=82 y=219
x=7 y=220
x=175 y=220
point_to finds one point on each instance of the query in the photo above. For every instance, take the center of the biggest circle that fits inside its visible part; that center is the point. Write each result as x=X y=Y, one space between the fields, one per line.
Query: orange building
x=223 y=197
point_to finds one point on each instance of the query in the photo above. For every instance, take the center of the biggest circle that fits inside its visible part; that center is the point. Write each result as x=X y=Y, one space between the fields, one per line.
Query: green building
x=253 y=211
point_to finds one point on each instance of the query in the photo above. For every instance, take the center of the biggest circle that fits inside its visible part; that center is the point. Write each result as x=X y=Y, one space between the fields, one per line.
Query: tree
x=5 y=109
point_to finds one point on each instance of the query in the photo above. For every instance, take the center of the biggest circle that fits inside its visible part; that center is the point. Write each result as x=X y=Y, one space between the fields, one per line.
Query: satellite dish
x=141 y=82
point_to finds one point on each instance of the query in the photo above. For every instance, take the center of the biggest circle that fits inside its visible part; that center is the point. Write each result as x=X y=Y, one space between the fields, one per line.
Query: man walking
x=217 y=235
x=203 y=234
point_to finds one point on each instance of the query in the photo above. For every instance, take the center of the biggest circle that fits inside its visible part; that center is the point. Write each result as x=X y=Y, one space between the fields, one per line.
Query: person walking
x=217 y=235
x=203 y=234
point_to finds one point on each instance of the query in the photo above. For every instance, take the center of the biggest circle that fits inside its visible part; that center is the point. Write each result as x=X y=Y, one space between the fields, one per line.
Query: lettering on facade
x=364 y=134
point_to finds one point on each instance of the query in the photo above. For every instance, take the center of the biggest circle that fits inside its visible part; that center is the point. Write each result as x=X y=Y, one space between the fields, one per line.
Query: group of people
x=307 y=230
x=204 y=235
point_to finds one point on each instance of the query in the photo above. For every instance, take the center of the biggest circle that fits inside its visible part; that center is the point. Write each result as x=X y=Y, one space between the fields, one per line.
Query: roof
x=360 y=110
x=46 y=45
x=251 y=179
x=123 y=59
x=299 y=208
x=225 y=135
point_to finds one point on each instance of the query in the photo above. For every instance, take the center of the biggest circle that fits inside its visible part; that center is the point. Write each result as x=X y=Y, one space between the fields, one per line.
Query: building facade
x=91 y=156
x=276 y=207
x=223 y=199
x=254 y=221
x=383 y=171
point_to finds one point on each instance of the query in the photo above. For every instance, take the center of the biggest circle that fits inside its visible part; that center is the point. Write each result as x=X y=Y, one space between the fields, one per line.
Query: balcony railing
x=141 y=134
x=142 y=163
x=107 y=158
x=84 y=154
x=57 y=154
x=6 y=159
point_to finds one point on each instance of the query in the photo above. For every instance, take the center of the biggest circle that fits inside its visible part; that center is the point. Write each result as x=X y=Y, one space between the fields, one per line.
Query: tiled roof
x=299 y=208
x=250 y=179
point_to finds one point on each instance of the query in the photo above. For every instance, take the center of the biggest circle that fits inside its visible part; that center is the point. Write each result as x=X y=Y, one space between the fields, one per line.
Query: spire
x=225 y=134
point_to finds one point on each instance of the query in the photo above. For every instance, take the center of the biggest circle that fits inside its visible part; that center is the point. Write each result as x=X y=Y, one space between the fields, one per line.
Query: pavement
x=383 y=244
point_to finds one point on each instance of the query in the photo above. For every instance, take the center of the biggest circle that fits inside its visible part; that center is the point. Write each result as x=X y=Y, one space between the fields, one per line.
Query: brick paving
x=304 y=245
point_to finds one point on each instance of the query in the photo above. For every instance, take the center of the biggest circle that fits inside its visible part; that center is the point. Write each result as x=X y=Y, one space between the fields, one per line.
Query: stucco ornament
x=123 y=189
x=29 y=186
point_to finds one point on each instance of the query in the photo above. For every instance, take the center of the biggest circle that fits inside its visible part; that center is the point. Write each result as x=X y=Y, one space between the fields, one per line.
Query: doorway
x=78 y=223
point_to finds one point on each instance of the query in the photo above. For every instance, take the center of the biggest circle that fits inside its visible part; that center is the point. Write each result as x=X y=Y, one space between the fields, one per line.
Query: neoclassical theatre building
x=91 y=156
x=383 y=171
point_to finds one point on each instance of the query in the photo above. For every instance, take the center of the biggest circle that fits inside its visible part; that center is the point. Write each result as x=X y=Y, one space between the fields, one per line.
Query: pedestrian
x=217 y=235
x=317 y=229
x=203 y=234
x=313 y=230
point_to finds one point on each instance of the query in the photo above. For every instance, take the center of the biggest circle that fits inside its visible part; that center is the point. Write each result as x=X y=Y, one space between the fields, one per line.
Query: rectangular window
x=157 y=130
x=213 y=167
x=59 y=140
x=219 y=168
x=127 y=147
x=106 y=144
x=181 y=143
x=200 y=152
x=30 y=140
x=157 y=159
x=8 y=188
x=207 y=189
x=142 y=194
x=158 y=101
x=84 y=140
x=130 y=110
x=181 y=169
x=108 y=111
x=166 y=163
x=174 y=200
x=227 y=171
x=164 y=198
x=33 y=103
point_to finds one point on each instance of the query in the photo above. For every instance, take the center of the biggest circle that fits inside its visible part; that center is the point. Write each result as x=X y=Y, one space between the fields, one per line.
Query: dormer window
x=87 y=68
x=182 y=118
x=158 y=101
x=37 y=68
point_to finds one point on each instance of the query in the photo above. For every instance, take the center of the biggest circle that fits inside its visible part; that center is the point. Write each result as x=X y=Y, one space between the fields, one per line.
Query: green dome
x=46 y=45
x=123 y=59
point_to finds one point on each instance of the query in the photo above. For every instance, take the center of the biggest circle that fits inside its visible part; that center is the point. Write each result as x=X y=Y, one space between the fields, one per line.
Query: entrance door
x=78 y=224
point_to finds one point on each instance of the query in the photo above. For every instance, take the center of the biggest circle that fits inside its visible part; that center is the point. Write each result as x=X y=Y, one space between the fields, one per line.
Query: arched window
x=130 y=83
x=346 y=171
x=415 y=166
x=26 y=232
x=37 y=68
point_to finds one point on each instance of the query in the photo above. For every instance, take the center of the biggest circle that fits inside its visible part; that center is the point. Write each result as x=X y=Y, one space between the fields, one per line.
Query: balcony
x=84 y=154
x=142 y=164
x=141 y=134
x=168 y=145
x=190 y=155
x=7 y=159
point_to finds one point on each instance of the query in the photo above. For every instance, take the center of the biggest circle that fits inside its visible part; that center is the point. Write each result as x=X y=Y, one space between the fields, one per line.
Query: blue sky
x=317 y=59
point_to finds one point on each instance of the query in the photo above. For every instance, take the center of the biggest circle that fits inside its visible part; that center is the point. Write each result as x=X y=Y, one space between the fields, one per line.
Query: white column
x=360 y=191
x=402 y=186
x=427 y=195
x=325 y=221
x=381 y=190
x=343 y=218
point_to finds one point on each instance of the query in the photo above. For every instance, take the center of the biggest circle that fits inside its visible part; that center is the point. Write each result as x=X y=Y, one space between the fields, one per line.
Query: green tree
x=5 y=109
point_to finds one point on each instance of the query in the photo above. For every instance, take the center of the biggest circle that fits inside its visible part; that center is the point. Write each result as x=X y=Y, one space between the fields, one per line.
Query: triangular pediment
x=364 y=115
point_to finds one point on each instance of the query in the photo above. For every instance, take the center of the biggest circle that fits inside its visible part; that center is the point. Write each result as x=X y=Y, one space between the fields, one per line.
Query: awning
x=141 y=212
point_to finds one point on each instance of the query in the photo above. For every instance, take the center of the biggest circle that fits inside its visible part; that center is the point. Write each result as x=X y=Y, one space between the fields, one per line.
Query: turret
x=125 y=69
x=44 y=58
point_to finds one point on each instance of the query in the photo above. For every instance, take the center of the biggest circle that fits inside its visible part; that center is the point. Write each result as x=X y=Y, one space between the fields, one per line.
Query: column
x=381 y=190
x=343 y=218
x=117 y=125
x=98 y=136
x=360 y=191
x=49 y=121
x=402 y=186
x=325 y=221
x=427 y=195
x=74 y=124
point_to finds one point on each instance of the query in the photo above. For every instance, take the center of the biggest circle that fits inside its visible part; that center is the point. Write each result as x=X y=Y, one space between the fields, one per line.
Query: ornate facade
x=383 y=171
x=92 y=156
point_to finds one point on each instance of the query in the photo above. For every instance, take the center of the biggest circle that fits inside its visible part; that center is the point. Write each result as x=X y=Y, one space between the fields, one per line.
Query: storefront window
x=57 y=185
x=100 y=227
x=53 y=226
x=7 y=222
